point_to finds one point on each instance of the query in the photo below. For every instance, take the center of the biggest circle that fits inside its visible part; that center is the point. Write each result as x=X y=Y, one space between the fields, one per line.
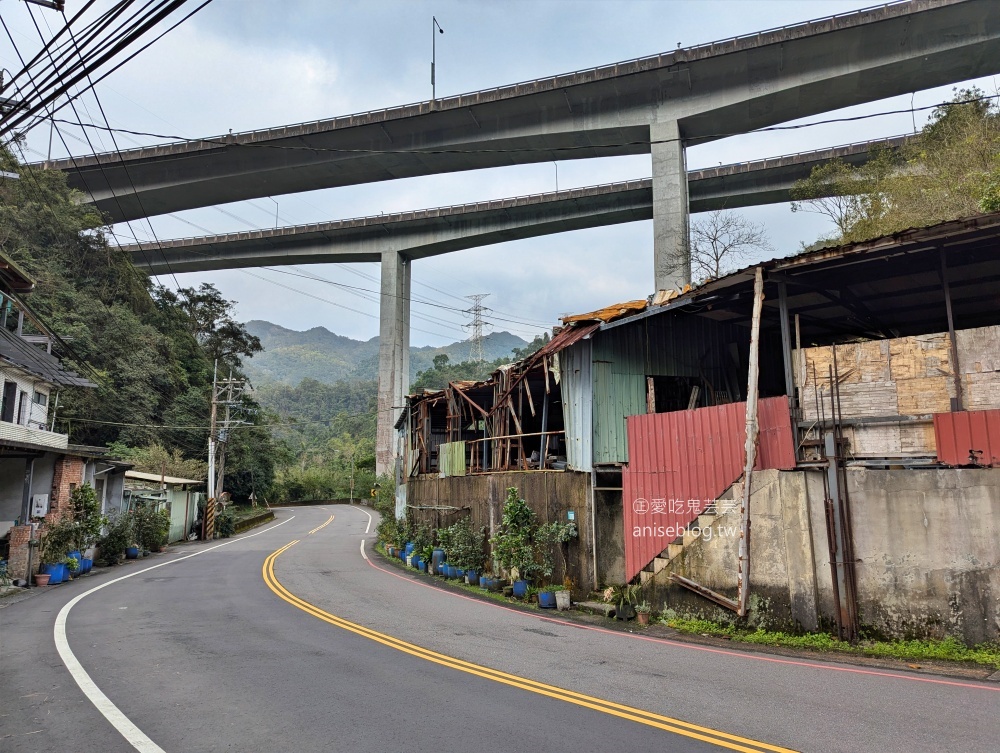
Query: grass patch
x=949 y=649
x=244 y=512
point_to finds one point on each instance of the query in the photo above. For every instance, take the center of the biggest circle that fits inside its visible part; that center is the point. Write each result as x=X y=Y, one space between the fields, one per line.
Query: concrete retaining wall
x=927 y=543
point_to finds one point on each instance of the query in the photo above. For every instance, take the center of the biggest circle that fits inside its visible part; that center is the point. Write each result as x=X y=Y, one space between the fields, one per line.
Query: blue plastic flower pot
x=86 y=565
x=75 y=554
x=484 y=581
x=473 y=577
x=63 y=573
x=409 y=548
x=460 y=573
x=520 y=588
x=52 y=571
x=423 y=566
x=547 y=599
x=417 y=563
x=131 y=553
x=437 y=560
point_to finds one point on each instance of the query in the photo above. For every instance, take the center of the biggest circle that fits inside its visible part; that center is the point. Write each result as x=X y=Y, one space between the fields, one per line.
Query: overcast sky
x=247 y=64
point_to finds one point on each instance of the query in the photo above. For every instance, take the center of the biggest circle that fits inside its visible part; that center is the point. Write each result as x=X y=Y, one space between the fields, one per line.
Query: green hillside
x=290 y=356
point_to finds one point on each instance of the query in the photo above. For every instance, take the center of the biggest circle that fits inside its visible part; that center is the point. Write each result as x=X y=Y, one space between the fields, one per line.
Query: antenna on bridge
x=475 y=327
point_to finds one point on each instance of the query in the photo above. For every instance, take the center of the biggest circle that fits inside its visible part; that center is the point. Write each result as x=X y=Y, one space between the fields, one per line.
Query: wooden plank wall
x=551 y=494
x=906 y=376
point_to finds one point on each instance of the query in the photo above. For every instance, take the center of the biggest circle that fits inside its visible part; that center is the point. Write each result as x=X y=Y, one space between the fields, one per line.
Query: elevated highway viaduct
x=395 y=240
x=655 y=105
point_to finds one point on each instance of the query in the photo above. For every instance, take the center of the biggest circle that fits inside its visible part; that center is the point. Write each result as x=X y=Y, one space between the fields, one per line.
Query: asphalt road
x=316 y=648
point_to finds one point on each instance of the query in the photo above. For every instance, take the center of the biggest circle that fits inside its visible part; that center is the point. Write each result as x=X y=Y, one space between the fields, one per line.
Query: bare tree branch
x=720 y=240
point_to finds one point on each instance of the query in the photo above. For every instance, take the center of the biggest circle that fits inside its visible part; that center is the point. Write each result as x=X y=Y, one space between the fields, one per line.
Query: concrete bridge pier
x=671 y=212
x=393 y=355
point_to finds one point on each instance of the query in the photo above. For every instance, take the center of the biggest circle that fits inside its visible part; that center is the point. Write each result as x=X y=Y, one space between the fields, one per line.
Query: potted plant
x=642 y=610
x=553 y=537
x=547 y=597
x=465 y=549
x=624 y=597
x=118 y=535
x=55 y=541
x=514 y=544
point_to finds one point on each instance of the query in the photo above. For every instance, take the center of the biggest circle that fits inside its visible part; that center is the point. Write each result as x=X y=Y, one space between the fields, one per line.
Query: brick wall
x=17 y=562
x=67 y=475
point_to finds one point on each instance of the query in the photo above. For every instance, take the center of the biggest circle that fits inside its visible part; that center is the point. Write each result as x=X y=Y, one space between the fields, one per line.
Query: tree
x=719 y=240
x=853 y=198
x=210 y=320
x=951 y=169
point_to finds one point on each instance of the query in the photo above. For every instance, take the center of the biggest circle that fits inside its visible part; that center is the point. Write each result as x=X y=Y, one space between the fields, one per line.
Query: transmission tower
x=475 y=327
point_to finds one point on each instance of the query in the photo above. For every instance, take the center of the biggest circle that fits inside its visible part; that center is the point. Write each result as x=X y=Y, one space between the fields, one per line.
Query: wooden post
x=750 y=447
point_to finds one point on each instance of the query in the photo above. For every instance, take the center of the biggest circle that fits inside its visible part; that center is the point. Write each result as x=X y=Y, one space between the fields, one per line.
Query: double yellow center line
x=322 y=526
x=666 y=723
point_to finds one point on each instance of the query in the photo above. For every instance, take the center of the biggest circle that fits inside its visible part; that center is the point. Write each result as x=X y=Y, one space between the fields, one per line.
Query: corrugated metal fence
x=680 y=462
x=968 y=437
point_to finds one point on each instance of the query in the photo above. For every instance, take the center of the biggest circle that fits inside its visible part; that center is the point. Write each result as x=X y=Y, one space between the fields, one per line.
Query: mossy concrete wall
x=927 y=544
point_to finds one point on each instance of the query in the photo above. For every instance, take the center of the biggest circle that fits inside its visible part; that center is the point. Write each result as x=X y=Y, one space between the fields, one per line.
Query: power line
x=57 y=82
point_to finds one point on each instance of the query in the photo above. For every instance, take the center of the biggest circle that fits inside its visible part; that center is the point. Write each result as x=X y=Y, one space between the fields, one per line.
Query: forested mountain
x=149 y=350
x=319 y=354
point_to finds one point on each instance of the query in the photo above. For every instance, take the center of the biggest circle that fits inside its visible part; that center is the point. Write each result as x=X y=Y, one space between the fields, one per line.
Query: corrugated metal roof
x=954 y=232
x=608 y=313
x=143 y=476
x=13 y=277
x=24 y=355
x=680 y=462
x=968 y=437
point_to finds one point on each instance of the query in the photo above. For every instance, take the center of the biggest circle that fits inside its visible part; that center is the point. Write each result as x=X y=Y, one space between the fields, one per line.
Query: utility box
x=39 y=505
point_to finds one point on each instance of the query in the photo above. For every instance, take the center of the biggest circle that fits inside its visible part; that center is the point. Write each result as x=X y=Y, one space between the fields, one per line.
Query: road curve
x=268 y=645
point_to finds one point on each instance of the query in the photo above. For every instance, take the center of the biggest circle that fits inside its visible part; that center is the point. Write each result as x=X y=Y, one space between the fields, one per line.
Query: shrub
x=151 y=527
x=56 y=540
x=87 y=516
x=225 y=524
x=119 y=534
x=514 y=542
x=465 y=549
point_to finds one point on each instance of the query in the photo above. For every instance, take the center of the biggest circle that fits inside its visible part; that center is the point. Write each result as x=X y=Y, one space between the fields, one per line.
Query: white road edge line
x=363 y=549
x=368 y=528
x=135 y=736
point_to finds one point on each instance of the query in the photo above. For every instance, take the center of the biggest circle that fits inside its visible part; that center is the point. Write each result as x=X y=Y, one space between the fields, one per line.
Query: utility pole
x=208 y=520
x=227 y=393
x=475 y=327
x=435 y=26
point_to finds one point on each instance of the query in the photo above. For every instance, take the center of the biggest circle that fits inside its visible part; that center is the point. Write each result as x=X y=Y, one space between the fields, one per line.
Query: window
x=9 y=401
x=41 y=398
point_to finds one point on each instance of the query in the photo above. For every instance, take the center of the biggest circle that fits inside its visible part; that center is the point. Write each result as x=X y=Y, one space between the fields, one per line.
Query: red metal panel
x=680 y=462
x=968 y=437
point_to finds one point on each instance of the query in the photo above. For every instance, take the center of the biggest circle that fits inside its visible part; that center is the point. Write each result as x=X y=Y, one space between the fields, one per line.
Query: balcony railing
x=26 y=435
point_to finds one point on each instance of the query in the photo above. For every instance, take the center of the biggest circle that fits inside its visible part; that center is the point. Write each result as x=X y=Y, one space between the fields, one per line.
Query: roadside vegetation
x=948 y=649
x=950 y=169
x=149 y=349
